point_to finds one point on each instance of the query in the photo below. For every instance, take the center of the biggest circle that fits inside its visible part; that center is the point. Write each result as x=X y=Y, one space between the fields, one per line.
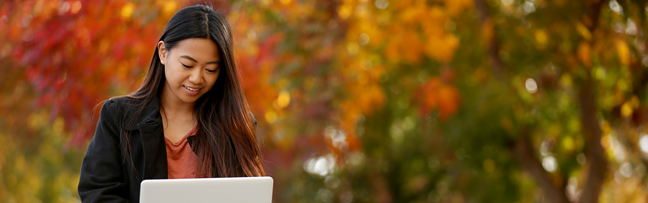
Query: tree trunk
x=589 y=121
x=593 y=149
x=523 y=150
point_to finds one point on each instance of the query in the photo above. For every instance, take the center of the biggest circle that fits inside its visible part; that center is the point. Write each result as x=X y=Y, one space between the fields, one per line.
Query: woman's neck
x=173 y=106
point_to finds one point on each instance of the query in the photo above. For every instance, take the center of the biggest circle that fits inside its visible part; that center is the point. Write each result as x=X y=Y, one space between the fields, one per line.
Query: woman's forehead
x=198 y=49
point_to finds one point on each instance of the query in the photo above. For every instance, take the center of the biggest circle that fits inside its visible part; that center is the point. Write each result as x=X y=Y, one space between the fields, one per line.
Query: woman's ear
x=162 y=52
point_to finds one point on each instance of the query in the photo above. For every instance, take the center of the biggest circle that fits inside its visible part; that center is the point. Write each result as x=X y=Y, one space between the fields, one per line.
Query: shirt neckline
x=183 y=139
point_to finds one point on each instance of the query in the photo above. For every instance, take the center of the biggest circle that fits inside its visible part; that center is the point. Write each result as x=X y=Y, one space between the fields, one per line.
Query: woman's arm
x=101 y=177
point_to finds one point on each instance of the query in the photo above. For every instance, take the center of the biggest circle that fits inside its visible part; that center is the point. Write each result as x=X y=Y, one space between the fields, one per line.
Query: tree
x=473 y=90
x=59 y=60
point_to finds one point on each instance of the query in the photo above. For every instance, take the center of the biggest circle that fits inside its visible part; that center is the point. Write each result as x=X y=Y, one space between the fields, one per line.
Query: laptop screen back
x=231 y=190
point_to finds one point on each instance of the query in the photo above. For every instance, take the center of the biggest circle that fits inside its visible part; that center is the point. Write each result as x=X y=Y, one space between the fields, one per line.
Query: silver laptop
x=229 y=190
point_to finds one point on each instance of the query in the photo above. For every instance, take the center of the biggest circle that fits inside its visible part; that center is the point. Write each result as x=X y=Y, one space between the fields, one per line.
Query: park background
x=359 y=100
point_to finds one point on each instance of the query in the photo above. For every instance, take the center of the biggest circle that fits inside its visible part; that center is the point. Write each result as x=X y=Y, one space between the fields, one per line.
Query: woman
x=188 y=119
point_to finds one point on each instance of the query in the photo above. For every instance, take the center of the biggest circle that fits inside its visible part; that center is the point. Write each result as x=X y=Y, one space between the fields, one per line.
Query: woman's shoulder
x=117 y=107
x=128 y=110
x=116 y=103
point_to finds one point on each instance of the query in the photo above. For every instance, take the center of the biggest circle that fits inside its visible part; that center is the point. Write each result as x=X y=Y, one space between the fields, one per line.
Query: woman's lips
x=191 y=90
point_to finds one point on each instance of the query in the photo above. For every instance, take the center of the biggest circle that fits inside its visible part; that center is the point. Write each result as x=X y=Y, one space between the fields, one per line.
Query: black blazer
x=105 y=175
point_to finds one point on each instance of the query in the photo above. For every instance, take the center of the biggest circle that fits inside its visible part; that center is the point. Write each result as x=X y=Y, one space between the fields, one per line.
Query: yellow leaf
x=362 y=79
x=374 y=35
x=411 y=49
x=583 y=31
x=605 y=141
x=541 y=39
x=489 y=165
x=271 y=116
x=436 y=14
x=168 y=7
x=127 y=10
x=626 y=109
x=624 y=52
x=568 y=143
x=584 y=53
x=487 y=31
x=412 y=14
x=599 y=73
x=635 y=101
x=352 y=48
x=566 y=80
x=344 y=11
x=442 y=48
x=391 y=51
x=622 y=85
x=284 y=99
x=606 y=128
x=456 y=7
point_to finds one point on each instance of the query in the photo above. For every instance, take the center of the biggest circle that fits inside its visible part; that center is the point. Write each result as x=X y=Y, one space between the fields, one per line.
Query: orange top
x=181 y=160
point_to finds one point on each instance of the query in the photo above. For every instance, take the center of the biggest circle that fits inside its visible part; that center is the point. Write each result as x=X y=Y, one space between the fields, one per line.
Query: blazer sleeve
x=101 y=178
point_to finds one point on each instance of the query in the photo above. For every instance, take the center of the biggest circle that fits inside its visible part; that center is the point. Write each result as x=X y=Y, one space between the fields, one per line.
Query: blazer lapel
x=151 y=129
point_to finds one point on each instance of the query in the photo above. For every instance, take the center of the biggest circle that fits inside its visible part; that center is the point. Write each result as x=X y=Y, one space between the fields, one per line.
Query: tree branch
x=589 y=122
x=523 y=152
x=522 y=149
x=492 y=42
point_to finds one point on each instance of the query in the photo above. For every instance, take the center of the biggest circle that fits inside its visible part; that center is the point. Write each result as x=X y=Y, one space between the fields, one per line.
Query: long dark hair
x=225 y=143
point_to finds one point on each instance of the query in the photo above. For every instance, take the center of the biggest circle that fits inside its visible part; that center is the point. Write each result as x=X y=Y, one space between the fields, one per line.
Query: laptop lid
x=230 y=190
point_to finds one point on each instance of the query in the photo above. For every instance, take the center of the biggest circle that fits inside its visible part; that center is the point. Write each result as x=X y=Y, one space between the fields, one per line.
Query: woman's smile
x=192 y=90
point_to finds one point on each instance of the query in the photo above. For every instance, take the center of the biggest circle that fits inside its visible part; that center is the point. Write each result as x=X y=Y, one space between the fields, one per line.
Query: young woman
x=189 y=119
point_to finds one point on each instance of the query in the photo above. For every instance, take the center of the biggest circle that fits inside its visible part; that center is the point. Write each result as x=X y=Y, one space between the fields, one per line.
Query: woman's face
x=191 y=69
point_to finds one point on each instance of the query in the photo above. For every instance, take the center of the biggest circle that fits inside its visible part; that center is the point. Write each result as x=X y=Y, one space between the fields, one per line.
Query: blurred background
x=359 y=100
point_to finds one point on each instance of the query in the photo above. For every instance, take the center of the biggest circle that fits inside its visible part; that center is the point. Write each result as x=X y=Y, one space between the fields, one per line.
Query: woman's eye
x=211 y=71
x=186 y=66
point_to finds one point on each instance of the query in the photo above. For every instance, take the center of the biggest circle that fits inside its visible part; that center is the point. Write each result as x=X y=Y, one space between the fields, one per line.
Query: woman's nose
x=196 y=76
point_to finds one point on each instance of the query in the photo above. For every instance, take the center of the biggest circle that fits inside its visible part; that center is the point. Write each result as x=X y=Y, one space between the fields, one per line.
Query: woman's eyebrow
x=194 y=60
